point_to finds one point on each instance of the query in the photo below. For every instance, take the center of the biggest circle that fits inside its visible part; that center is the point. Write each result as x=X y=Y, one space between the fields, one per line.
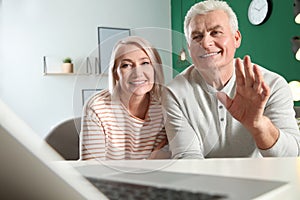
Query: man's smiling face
x=212 y=43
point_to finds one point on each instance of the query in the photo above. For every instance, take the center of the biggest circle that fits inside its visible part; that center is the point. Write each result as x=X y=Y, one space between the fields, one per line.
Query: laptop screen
x=26 y=169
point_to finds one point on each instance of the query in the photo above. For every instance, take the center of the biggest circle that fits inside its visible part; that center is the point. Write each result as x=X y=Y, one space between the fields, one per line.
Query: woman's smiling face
x=134 y=73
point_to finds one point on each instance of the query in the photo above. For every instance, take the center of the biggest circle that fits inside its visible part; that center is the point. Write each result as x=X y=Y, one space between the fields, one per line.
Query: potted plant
x=67 y=66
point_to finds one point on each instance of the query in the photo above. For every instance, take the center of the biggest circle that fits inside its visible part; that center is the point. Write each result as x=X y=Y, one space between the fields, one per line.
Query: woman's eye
x=125 y=65
x=146 y=63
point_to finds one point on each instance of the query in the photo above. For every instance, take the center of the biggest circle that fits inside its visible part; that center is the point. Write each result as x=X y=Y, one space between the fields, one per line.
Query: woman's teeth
x=137 y=82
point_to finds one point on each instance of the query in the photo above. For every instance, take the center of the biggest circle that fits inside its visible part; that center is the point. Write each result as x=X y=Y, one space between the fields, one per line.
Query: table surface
x=276 y=169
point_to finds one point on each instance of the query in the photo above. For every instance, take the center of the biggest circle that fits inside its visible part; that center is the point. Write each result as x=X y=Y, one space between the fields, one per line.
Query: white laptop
x=186 y=185
x=26 y=171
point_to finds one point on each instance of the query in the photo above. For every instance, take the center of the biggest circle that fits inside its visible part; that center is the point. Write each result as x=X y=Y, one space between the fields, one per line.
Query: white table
x=277 y=169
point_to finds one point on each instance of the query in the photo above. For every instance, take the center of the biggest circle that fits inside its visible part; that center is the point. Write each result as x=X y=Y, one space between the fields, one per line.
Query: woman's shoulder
x=101 y=97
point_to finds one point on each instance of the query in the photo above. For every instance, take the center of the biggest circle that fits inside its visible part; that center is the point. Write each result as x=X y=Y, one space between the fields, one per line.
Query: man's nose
x=206 y=41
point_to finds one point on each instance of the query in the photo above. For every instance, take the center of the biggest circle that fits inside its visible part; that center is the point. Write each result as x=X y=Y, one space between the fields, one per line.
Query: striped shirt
x=110 y=132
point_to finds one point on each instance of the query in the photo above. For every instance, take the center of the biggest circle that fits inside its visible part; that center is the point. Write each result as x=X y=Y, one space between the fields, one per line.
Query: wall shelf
x=66 y=74
x=86 y=70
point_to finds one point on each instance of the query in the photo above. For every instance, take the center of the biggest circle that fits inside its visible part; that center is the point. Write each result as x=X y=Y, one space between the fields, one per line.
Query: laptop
x=27 y=170
x=172 y=185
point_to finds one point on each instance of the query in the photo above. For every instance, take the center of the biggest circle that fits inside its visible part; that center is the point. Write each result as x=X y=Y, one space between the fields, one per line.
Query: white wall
x=31 y=29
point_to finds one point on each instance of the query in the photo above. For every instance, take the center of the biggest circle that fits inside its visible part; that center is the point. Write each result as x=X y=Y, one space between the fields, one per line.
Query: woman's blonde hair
x=151 y=52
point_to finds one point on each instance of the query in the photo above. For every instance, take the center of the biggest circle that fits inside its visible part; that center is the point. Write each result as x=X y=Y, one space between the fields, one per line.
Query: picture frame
x=107 y=38
x=87 y=93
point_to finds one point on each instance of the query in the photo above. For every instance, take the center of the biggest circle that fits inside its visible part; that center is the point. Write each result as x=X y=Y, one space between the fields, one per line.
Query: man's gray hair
x=204 y=7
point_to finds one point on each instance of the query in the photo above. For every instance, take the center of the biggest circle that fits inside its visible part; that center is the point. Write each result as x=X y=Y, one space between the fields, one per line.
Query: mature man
x=226 y=107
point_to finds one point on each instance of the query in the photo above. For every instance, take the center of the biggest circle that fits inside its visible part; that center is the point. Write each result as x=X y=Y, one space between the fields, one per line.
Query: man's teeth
x=209 y=54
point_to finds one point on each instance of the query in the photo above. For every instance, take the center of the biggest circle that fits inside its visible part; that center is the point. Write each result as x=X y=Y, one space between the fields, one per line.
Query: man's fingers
x=265 y=92
x=239 y=72
x=257 y=86
x=249 y=74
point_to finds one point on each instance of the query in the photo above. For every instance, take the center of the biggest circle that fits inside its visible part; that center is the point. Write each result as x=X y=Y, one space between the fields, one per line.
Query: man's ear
x=238 y=39
x=188 y=48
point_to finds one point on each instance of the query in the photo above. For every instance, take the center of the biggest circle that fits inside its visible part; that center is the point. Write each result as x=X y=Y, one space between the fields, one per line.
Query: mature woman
x=126 y=121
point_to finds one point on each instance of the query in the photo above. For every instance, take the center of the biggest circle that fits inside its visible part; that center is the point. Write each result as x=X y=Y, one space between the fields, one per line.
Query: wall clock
x=259 y=11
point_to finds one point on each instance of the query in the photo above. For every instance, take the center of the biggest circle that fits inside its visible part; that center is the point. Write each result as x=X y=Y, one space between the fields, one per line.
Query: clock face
x=258 y=11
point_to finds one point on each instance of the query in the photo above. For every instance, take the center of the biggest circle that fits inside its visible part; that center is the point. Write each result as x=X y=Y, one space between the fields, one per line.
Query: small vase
x=67 y=67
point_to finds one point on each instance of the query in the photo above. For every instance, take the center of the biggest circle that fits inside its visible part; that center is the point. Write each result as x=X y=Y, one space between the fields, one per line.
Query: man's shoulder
x=271 y=77
x=184 y=79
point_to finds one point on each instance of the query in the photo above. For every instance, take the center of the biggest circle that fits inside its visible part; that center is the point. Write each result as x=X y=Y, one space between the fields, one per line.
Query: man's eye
x=215 y=32
x=197 y=37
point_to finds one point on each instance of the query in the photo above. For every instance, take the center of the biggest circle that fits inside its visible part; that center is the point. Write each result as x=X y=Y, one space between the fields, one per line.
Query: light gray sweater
x=199 y=126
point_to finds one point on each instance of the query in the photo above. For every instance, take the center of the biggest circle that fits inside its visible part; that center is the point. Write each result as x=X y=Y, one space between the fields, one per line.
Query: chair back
x=64 y=138
x=297 y=110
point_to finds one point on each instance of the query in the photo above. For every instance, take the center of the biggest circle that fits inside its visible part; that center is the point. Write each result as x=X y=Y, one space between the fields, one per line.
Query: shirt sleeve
x=184 y=143
x=92 y=137
x=280 y=111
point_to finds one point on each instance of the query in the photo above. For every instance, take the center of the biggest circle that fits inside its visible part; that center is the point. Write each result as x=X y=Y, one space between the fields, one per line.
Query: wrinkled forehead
x=210 y=18
x=130 y=52
x=125 y=49
x=208 y=22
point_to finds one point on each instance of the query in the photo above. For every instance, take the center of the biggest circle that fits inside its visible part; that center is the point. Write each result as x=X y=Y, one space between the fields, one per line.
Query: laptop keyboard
x=120 y=190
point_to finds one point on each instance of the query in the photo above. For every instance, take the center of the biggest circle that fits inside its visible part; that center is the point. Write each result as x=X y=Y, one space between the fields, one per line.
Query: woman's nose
x=137 y=69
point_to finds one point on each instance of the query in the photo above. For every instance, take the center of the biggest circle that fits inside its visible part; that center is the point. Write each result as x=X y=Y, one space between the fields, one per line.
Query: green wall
x=268 y=45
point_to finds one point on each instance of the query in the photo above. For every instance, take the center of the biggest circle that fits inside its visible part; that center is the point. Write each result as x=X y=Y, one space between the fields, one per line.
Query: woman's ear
x=115 y=74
